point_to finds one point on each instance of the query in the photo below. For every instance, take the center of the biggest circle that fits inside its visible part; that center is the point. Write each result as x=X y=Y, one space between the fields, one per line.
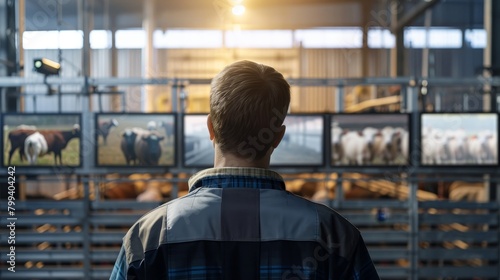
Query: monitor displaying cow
x=369 y=139
x=454 y=139
x=131 y=140
x=41 y=140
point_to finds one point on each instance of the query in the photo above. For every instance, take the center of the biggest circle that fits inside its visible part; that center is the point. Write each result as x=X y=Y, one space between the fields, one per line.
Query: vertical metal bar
x=339 y=192
x=85 y=8
x=99 y=95
x=339 y=107
x=179 y=114
x=496 y=199
x=34 y=103
x=488 y=51
x=466 y=102
x=148 y=63
x=86 y=229
x=493 y=16
x=365 y=51
x=339 y=99
x=124 y=102
x=409 y=98
x=175 y=87
x=437 y=106
x=497 y=210
x=403 y=94
x=413 y=212
x=59 y=54
x=20 y=26
x=414 y=161
x=328 y=160
x=2 y=102
x=425 y=50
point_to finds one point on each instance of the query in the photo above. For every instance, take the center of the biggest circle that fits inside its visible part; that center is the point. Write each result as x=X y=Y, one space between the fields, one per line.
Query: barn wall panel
x=325 y=63
x=204 y=64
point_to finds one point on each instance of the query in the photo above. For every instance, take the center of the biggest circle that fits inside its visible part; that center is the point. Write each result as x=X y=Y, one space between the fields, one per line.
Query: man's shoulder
x=312 y=216
x=158 y=213
x=323 y=211
x=147 y=232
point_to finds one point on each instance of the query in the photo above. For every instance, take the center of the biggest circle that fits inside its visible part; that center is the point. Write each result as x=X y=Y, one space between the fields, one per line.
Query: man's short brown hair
x=248 y=104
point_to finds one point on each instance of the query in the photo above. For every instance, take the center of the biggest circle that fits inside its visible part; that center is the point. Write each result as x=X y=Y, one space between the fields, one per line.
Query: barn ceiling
x=260 y=14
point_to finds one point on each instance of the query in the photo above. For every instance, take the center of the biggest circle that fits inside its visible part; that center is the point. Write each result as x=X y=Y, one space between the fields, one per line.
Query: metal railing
x=415 y=239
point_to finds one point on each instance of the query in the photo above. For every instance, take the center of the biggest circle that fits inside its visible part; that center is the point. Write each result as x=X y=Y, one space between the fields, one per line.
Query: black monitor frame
x=388 y=167
x=120 y=128
x=321 y=163
x=466 y=165
x=58 y=168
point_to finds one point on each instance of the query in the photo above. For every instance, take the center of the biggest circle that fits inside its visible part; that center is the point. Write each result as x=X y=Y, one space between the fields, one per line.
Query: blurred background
x=425 y=213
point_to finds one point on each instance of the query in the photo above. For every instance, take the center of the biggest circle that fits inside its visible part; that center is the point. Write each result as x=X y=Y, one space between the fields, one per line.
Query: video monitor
x=135 y=139
x=198 y=149
x=454 y=139
x=302 y=144
x=41 y=140
x=369 y=139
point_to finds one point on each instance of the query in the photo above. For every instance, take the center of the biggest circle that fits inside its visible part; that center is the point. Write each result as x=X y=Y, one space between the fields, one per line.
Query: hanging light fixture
x=238 y=8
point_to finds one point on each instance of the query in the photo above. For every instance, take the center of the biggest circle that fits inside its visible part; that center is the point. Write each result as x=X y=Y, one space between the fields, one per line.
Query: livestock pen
x=409 y=232
x=417 y=223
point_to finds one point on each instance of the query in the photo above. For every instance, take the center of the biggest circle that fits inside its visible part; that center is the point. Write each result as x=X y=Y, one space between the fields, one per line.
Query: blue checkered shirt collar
x=236 y=177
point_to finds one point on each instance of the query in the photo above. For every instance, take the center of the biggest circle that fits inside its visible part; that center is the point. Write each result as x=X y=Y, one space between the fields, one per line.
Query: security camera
x=46 y=66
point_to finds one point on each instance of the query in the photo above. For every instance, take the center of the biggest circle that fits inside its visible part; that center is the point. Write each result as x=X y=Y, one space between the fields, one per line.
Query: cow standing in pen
x=105 y=127
x=47 y=141
x=127 y=145
x=35 y=146
x=16 y=139
x=147 y=147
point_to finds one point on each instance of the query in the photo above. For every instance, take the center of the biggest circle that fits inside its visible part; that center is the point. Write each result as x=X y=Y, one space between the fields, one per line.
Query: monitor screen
x=130 y=140
x=198 y=148
x=370 y=139
x=41 y=140
x=451 y=139
x=302 y=144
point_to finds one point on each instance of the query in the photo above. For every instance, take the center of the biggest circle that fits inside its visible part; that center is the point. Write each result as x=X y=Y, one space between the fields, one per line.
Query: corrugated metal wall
x=321 y=63
x=204 y=64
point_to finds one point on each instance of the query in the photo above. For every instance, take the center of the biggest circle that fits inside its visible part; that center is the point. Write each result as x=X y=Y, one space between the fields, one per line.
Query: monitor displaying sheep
x=135 y=139
x=41 y=140
x=369 y=140
x=302 y=144
x=459 y=139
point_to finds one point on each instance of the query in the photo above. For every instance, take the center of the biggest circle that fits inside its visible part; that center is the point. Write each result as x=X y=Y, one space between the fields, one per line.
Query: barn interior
x=424 y=72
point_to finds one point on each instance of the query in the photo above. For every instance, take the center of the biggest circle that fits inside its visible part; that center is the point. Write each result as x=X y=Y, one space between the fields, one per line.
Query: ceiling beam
x=410 y=16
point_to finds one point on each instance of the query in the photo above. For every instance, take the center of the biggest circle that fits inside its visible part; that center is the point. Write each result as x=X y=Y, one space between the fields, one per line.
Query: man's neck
x=229 y=160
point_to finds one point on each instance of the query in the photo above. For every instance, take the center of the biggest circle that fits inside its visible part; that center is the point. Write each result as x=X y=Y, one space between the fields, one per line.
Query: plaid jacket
x=241 y=223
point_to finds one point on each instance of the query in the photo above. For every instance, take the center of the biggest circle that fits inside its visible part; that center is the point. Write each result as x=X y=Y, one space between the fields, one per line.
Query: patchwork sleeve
x=363 y=267
x=120 y=269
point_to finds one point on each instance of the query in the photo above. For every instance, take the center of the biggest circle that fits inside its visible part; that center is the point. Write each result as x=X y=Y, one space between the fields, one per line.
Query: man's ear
x=279 y=136
x=210 y=127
